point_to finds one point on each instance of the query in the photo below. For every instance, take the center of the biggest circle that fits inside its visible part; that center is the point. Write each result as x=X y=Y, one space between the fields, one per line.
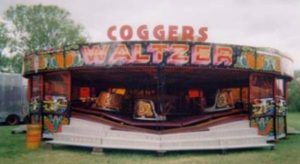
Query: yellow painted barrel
x=33 y=136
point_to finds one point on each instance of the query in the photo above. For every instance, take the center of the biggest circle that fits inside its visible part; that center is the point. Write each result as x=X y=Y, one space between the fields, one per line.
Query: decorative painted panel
x=43 y=61
x=281 y=107
x=261 y=107
x=246 y=59
x=57 y=104
x=268 y=63
x=264 y=125
x=73 y=59
x=55 y=114
x=53 y=123
x=166 y=52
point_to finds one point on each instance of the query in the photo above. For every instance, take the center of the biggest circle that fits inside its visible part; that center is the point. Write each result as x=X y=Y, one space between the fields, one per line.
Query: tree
x=41 y=27
x=3 y=41
x=294 y=96
x=3 y=37
x=34 y=28
x=294 y=93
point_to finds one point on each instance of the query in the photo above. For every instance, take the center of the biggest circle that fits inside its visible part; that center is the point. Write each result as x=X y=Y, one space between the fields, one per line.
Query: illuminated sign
x=156 y=53
x=159 y=32
x=153 y=53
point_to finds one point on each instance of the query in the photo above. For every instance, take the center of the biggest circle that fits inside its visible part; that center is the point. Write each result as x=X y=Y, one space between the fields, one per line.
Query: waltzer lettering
x=157 y=53
x=95 y=54
x=201 y=55
x=179 y=56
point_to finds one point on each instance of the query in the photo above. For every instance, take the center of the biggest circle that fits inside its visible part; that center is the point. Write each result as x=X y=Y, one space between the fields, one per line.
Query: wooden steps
x=231 y=135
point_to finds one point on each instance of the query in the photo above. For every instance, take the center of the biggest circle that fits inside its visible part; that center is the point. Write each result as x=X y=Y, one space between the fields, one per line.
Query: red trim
x=42 y=86
x=29 y=93
x=69 y=83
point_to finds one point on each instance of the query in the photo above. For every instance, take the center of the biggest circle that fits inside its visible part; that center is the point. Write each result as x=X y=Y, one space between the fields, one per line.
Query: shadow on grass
x=142 y=153
x=74 y=149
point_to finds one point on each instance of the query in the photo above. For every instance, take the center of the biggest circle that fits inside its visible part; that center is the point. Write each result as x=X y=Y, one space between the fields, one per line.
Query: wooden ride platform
x=99 y=133
x=216 y=131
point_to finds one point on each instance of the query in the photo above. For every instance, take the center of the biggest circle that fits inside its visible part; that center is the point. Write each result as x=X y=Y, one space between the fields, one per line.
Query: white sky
x=268 y=23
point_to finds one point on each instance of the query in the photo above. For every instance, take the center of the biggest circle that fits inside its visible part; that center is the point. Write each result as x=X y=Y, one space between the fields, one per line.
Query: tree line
x=294 y=93
x=26 y=29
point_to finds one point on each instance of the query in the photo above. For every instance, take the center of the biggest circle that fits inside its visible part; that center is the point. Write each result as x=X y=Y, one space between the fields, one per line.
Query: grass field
x=13 y=151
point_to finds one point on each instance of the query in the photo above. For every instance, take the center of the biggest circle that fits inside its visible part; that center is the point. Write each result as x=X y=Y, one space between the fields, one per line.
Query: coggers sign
x=159 y=32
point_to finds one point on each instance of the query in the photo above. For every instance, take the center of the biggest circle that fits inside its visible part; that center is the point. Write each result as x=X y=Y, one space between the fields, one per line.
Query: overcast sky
x=268 y=23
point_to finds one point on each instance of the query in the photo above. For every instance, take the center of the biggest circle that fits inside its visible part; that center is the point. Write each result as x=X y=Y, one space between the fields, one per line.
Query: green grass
x=13 y=150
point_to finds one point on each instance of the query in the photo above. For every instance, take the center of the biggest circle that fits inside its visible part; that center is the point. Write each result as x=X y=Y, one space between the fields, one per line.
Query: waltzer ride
x=160 y=95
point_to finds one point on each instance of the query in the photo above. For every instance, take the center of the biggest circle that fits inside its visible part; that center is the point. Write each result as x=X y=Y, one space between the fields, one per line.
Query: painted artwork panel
x=264 y=125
